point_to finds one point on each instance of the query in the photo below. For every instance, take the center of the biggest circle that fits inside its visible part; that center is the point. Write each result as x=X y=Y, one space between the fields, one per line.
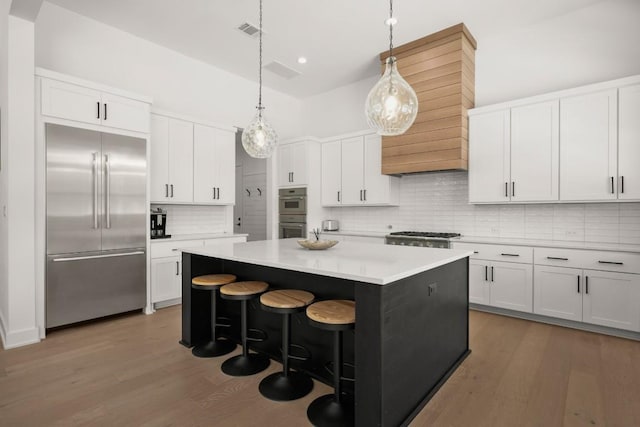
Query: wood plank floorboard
x=131 y=371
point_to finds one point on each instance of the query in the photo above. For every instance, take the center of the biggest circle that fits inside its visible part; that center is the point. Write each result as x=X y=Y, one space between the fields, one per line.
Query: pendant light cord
x=260 y=68
x=390 y=28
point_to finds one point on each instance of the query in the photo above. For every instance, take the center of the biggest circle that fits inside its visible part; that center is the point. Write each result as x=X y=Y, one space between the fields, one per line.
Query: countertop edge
x=200 y=236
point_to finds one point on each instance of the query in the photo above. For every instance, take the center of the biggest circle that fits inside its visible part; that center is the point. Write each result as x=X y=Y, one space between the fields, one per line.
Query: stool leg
x=215 y=347
x=337 y=364
x=243 y=327
x=286 y=337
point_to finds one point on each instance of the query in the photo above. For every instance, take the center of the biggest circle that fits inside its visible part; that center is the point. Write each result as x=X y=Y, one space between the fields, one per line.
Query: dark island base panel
x=410 y=335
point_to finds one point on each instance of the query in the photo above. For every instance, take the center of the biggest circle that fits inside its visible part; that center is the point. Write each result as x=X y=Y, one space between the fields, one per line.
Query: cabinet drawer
x=623 y=262
x=167 y=249
x=519 y=254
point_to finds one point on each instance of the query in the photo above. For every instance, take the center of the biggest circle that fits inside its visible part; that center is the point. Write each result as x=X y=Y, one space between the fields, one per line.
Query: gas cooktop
x=425 y=234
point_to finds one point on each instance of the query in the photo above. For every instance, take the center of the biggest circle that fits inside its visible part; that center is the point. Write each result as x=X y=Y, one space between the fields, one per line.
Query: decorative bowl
x=317 y=244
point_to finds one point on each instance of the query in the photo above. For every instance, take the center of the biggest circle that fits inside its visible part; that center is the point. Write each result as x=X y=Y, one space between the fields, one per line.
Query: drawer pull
x=174 y=249
x=558 y=258
x=610 y=262
x=510 y=254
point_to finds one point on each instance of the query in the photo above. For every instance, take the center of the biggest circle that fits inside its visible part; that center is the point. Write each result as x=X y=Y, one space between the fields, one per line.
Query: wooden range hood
x=441 y=69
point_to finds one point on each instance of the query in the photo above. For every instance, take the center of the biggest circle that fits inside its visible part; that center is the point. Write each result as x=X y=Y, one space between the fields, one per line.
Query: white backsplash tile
x=188 y=219
x=438 y=202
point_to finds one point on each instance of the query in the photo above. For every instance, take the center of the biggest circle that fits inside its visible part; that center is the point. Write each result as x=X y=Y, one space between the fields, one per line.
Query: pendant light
x=258 y=138
x=392 y=104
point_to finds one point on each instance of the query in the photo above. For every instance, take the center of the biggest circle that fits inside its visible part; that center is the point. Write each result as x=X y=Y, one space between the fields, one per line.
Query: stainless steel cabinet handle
x=338 y=196
x=612 y=190
x=611 y=262
x=578 y=284
x=98 y=103
x=105 y=111
x=364 y=192
x=360 y=195
x=510 y=254
x=171 y=190
x=558 y=258
x=218 y=192
x=586 y=284
x=79 y=258
x=95 y=190
x=513 y=189
x=166 y=190
x=492 y=273
x=292 y=180
x=214 y=192
x=622 y=184
x=486 y=277
x=107 y=180
x=506 y=189
x=177 y=268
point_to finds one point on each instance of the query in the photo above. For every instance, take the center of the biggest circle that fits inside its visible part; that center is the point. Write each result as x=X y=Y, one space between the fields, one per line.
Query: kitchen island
x=412 y=323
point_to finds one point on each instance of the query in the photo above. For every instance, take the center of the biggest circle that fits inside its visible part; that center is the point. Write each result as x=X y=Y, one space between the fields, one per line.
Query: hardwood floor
x=132 y=371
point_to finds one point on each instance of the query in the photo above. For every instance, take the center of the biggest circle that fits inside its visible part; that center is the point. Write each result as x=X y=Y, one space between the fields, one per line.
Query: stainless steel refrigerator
x=96 y=224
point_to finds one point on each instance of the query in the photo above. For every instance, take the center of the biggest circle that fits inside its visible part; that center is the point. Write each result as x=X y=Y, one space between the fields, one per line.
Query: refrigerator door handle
x=78 y=258
x=95 y=190
x=107 y=179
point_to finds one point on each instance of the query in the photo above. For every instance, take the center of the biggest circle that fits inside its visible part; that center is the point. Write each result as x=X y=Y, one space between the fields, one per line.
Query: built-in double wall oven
x=292 y=205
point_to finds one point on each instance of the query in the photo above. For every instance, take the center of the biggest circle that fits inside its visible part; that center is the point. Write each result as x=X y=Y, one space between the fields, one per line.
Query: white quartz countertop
x=616 y=247
x=200 y=236
x=357 y=233
x=362 y=262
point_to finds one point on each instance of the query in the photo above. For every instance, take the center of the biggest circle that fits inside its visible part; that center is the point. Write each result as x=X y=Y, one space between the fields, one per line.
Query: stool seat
x=333 y=312
x=241 y=289
x=212 y=281
x=287 y=298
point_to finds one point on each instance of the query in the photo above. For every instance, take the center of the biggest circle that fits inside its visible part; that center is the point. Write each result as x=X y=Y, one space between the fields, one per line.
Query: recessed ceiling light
x=391 y=21
x=302 y=60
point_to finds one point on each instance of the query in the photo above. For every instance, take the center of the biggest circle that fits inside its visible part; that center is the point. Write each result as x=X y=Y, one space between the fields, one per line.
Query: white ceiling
x=340 y=38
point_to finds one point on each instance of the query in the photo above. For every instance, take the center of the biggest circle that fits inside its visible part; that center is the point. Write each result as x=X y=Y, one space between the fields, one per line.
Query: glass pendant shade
x=259 y=139
x=392 y=104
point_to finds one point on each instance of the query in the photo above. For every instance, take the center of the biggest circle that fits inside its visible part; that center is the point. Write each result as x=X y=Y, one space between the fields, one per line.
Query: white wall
x=70 y=43
x=4 y=177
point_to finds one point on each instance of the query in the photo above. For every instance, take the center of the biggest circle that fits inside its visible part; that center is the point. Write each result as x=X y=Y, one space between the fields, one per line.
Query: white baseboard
x=3 y=334
x=167 y=303
x=13 y=339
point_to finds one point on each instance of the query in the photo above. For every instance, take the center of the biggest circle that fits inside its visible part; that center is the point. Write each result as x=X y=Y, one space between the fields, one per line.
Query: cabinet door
x=225 y=165
x=299 y=163
x=69 y=101
x=204 y=164
x=629 y=143
x=159 y=163
x=534 y=152
x=352 y=171
x=489 y=157
x=611 y=299
x=588 y=138
x=511 y=286
x=558 y=292
x=331 y=173
x=478 y=283
x=285 y=156
x=166 y=278
x=376 y=185
x=125 y=113
x=180 y=161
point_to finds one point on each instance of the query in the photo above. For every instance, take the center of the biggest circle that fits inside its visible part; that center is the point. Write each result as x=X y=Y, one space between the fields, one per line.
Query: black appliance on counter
x=424 y=239
x=159 y=224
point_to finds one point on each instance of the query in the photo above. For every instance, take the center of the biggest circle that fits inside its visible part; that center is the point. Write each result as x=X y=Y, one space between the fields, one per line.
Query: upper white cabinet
x=352 y=173
x=292 y=164
x=629 y=143
x=588 y=141
x=70 y=101
x=191 y=162
x=213 y=165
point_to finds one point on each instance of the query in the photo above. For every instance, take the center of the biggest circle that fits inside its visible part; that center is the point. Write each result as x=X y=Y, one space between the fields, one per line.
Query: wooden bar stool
x=286 y=385
x=212 y=283
x=245 y=363
x=336 y=316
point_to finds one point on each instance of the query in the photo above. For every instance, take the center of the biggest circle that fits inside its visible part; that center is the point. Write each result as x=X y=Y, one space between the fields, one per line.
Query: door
x=159 y=163
x=204 y=164
x=166 y=279
x=588 y=138
x=74 y=197
x=331 y=173
x=180 y=161
x=124 y=197
x=611 y=299
x=69 y=101
x=478 y=283
x=299 y=163
x=489 y=157
x=125 y=113
x=558 y=292
x=284 y=165
x=511 y=286
x=225 y=165
x=352 y=167
x=239 y=205
x=629 y=143
x=535 y=152
x=376 y=185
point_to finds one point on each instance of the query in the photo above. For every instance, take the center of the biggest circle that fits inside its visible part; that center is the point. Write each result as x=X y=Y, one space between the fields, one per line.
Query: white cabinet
x=612 y=299
x=171 y=165
x=352 y=173
x=588 y=140
x=213 y=165
x=513 y=154
x=331 y=173
x=629 y=143
x=292 y=164
x=558 y=292
x=83 y=104
x=511 y=286
x=478 y=283
x=166 y=279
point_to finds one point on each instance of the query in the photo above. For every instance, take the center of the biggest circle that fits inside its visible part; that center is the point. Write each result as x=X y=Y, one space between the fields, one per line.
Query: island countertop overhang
x=362 y=262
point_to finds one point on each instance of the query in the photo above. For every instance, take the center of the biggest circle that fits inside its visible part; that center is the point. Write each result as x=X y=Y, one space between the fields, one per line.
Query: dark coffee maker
x=159 y=224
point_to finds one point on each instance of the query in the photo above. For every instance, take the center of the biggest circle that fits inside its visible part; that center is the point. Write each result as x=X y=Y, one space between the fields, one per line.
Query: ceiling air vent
x=282 y=70
x=250 y=30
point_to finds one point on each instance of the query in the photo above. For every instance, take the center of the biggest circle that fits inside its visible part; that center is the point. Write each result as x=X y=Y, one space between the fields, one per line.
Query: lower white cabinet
x=501 y=284
x=599 y=297
x=166 y=279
